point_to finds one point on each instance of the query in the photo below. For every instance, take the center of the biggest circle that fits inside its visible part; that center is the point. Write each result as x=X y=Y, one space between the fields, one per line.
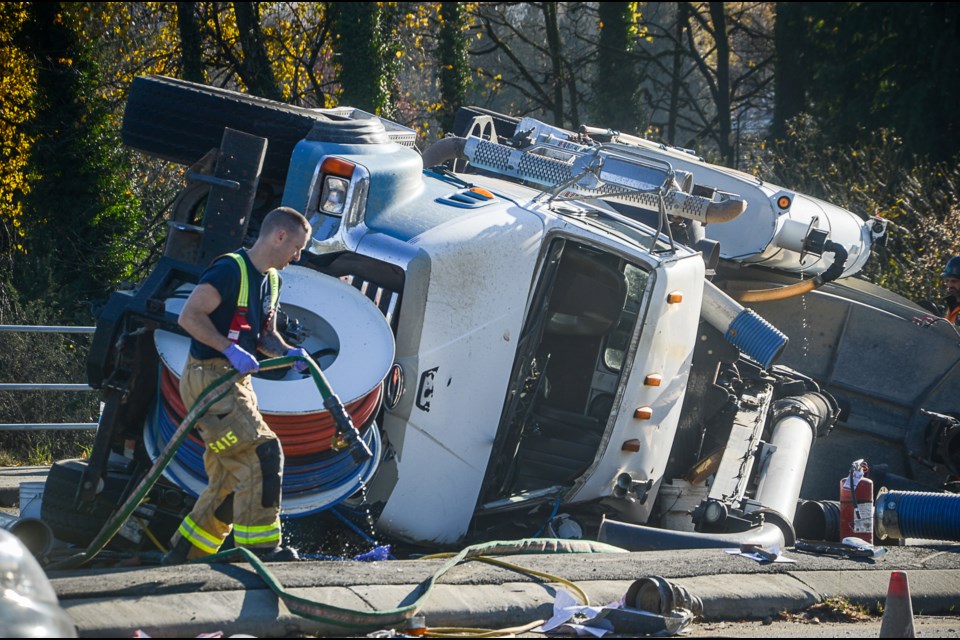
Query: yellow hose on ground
x=469 y=632
x=515 y=567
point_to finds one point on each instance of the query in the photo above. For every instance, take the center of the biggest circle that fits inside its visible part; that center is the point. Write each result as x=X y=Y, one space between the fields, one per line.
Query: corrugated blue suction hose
x=756 y=337
x=915 y=514
x=743 y=328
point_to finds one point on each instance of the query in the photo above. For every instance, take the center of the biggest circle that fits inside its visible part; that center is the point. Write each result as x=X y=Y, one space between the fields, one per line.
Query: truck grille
x=385 y=299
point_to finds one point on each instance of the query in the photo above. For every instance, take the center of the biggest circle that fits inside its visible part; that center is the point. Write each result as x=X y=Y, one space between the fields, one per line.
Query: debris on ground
x=837 y=609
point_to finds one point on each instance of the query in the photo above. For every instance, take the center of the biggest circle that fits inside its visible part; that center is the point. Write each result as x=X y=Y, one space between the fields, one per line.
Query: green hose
x=304 y=607
x=327 y=613
x=219 y=388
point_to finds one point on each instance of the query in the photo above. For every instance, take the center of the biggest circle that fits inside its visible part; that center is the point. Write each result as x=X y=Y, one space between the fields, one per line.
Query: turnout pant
x=244 y=463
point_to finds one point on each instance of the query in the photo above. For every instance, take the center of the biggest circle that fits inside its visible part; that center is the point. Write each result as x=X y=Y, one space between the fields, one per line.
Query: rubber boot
x=277 y=554
x=178 y=553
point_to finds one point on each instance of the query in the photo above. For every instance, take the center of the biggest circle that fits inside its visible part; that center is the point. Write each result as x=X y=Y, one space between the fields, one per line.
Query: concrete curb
x=933 y=591
x=258 y=612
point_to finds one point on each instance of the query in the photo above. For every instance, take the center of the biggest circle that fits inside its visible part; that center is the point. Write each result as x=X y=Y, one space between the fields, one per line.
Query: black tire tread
x=57 y=506
x=180 y=121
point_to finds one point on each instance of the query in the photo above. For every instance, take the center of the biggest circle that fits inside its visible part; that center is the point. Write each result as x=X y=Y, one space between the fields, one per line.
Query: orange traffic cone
x=898 y=612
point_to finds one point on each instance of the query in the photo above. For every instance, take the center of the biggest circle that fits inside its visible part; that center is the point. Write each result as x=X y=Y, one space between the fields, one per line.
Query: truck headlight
x=336 y=174
x=333 y=198
x=337 y=203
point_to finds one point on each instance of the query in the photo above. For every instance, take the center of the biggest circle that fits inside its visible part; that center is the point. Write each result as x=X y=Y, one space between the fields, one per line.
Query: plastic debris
x=822 y=547
x=378 y=553
x=755 y=552
x=563 y=526
x=139 y=633
x=634 y=622
x=565 y=609
x=863 y=545
x=587 y=621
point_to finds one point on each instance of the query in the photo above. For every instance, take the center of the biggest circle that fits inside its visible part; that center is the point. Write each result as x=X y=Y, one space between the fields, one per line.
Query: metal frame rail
x=16 y=386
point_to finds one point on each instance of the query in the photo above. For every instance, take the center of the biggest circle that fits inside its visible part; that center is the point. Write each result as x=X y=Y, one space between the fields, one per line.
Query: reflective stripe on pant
x=257 y=536
x=244 y=463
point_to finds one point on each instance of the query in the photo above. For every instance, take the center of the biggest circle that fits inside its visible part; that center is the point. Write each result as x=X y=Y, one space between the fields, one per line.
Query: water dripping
x=368 y=515
x=804 y=323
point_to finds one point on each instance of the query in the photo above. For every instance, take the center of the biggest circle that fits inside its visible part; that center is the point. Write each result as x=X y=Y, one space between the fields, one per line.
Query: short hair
x=286 y=218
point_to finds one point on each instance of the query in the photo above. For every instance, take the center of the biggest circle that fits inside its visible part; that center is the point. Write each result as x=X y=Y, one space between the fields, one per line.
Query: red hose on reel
x=301 y=435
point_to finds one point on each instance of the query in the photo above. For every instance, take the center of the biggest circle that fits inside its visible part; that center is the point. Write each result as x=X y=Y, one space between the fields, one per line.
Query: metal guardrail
x=49 y=426
x=26 y=328
x=15 y=386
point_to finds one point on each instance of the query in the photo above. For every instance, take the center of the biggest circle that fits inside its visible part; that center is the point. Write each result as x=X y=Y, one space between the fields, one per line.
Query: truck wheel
x=79 y=527
x=506 y=126
x=180 y=121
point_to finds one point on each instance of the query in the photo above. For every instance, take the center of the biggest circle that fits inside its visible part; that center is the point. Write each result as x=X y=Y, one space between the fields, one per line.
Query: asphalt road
x=741 y=597
x=924 y=626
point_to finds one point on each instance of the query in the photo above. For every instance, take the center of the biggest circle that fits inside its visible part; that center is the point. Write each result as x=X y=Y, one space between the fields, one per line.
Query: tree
x=17 y=79
x=555 y=55
x=80 y=215
x=720 y=82
x=532 y=57
x=881 y=65
x=191 y=43
x=366 y=55
x=791 y=74
x=616 y=78
x=710 y=74
x=254 y=68
x=682 y=23
x=453 y=61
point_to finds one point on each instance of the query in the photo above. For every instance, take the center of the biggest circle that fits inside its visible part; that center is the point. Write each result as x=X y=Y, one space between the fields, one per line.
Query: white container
x=677 y=500
x=31 y=495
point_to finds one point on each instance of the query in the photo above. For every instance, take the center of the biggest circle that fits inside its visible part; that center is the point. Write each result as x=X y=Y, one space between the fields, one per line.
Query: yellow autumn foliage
x=17 y=80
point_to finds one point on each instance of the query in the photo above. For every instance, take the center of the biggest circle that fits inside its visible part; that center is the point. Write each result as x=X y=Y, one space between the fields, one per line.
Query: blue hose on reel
x=310 y=483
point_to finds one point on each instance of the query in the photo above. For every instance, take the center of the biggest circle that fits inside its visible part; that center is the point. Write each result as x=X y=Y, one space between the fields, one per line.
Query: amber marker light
x=643 y=413
x=674 y=297
x=483 y=192
x=632 y=445
x=784 y=202
x=653 y=380
x=338 y=167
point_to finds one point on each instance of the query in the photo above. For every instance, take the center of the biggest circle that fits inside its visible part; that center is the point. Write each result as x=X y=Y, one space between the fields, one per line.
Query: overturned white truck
x=521 y=322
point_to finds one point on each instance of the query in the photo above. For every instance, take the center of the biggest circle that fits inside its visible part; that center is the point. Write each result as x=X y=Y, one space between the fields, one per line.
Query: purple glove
x=241 y=360
x=299 y=366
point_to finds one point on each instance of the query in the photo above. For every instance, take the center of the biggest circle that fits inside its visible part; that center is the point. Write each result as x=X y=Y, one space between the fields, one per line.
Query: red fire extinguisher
x=856 y=503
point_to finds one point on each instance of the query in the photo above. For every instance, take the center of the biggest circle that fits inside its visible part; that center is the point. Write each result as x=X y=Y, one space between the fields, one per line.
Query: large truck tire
x=167 y=505
x=181 y=121
x=68 y=523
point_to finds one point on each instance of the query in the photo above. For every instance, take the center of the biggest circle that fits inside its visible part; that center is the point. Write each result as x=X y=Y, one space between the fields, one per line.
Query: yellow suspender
x=243 y=297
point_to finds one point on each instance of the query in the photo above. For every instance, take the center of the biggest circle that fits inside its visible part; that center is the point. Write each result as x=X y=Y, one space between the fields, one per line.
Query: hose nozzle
x=346 y=429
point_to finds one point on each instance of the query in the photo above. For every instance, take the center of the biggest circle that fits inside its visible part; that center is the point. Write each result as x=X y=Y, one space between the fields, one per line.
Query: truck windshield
x=619 y=339
x=570 y=361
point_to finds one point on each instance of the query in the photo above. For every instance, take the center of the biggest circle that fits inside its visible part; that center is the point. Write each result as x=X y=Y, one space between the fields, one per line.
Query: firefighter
x=951 y=281
x=230 y=315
